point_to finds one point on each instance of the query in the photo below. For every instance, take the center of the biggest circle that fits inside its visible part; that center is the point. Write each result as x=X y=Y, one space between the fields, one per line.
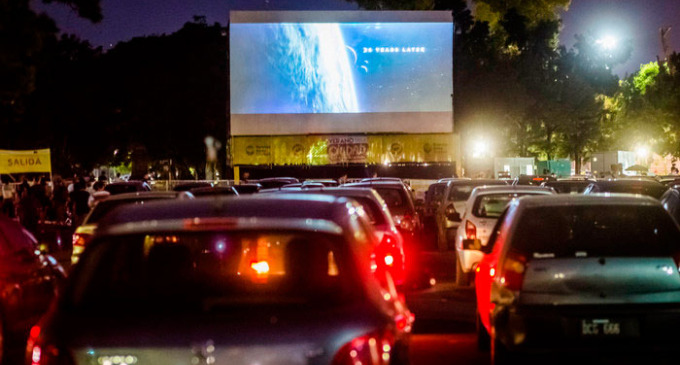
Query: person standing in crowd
x=59 y=199
x=78 y=200
x=29 y=208
x=99 y=193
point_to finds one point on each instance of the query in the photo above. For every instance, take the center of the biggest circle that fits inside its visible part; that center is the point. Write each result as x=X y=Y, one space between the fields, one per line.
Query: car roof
x=627 y=181
x=129 y=182
x=145 y=195
x=222 y=223
x=279 y=179
x=337 y=191
x=490 y=189
x=379 y=184
x=265 y=206
x=593 y=199
x=468 y=182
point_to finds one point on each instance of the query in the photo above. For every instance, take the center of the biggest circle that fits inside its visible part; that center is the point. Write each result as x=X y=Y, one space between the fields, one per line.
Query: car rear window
x=395 y=199
x=493 y=205
x=461 y=192
x=214 y=271
x=103 y=207
x=653 y=190
x=572 y=187
x=374 y=212
x=602 y=230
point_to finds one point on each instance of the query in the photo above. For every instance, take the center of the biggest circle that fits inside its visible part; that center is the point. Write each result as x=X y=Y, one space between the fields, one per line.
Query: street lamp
x=481 y=148
x=607 y=43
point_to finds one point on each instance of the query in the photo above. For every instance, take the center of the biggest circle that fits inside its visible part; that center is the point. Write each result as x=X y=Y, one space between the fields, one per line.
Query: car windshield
x=395 y=199
x=214 y=271
x=492 y=205
x=587 y=231
x=106 y=206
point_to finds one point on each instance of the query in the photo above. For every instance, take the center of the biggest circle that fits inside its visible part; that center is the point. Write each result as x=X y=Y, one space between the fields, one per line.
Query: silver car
x=580 y=274
x=485 y=205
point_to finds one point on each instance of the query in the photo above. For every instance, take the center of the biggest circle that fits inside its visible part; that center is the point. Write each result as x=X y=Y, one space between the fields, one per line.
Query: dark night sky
x=638 y=20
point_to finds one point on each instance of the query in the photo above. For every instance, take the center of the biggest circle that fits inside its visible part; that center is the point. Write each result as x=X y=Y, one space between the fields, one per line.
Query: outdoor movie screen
x=341 y=72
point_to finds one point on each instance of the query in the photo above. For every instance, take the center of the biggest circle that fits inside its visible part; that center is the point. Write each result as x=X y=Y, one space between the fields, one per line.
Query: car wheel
x=462 y=279
x=483 y=338
x=500 y=354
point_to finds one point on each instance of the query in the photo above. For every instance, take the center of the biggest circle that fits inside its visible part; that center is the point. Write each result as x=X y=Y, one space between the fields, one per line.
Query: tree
x=648 y=107
x=24 y=37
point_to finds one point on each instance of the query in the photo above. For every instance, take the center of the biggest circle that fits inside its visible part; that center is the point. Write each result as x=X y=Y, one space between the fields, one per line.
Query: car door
x=28 y=281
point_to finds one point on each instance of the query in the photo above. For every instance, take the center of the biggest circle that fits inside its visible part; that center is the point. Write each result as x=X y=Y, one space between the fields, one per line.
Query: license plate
x=601 y=328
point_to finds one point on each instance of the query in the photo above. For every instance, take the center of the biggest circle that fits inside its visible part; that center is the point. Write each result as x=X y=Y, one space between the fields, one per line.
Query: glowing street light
x=642 y=152
x=608 y=43
x=481 y=148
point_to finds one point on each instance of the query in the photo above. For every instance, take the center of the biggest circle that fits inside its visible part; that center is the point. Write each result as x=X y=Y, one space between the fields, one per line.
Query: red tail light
x=392 y=257
x=40 y=353
x=405 y=222
x=370 y=349
x=81 y=239
x=512 y=276
x=470 y=230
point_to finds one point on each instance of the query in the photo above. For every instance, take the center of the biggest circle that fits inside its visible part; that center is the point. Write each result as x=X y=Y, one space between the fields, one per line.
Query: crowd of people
x=65 y=202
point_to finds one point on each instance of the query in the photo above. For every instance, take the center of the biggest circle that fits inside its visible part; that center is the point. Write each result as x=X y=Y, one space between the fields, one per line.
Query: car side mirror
x=475 y=244
x=451 y=214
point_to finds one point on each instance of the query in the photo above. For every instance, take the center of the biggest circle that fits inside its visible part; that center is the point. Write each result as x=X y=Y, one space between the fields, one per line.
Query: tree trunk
x=577 y=163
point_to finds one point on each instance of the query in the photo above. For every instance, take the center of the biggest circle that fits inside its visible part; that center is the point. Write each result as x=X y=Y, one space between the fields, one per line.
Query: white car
x=482 y=209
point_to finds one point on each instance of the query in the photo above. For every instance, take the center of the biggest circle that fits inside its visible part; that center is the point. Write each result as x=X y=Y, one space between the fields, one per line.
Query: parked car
x=192 y=185
x=400 y=203
x=532 y=179
x=228 y=281
x=453 y=201
x=390 y=249
x=568 y=186
x=325 y=182
x=581 y=274
x=249 y=188
x=213 y=191
x=123 y=187
x=28 y=280
x=85 y=232
x=640 y=186
x=485 y=205
x=276 y=182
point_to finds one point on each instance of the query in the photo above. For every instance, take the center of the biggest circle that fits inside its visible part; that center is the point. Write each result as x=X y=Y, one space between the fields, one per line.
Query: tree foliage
x=24 y=38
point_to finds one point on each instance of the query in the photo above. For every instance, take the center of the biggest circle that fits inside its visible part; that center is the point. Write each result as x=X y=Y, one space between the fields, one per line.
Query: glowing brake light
x=470 y=230
x=513 y=272
x=492 y=272
x=389 y=260
x=260 y=267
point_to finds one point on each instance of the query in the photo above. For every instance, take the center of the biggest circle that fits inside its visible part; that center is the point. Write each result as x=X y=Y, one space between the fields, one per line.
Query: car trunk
x=251 y=337
x=600 y=280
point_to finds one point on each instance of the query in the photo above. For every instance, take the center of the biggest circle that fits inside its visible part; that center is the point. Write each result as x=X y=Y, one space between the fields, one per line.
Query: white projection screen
x=313 y=72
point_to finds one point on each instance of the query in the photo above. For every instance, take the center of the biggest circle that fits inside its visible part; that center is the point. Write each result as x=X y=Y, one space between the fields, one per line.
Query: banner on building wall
x=340 y=149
